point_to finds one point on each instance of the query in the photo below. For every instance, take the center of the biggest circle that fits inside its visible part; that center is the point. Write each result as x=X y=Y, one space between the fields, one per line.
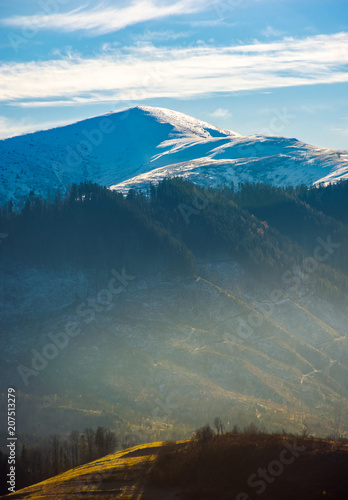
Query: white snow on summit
x=136 y=146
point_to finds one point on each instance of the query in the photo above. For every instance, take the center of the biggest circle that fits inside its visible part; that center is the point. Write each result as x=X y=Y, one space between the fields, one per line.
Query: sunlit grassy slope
x=120 y=475
x=224 y=467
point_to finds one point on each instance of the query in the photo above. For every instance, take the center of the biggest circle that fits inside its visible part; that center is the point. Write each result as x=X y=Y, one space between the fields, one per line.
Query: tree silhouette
x=219 y=426
x=204 y=434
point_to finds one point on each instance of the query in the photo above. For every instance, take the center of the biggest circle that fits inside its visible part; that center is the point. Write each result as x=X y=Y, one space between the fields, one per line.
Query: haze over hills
x=136 y=146
x=197 y=330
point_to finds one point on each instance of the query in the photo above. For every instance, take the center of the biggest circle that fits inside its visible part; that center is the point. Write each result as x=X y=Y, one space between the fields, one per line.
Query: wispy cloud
x=220 y=113
x=161 y=35
x=208 y=23
x=103 y=18
x=145 y=71
x=272 y=32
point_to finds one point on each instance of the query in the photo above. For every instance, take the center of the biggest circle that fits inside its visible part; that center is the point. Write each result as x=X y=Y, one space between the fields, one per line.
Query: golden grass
x=116 y=474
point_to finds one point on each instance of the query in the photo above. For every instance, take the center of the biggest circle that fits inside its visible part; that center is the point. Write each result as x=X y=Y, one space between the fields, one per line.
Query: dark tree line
x=91 y=226
x=331 y=200
x=302 y=214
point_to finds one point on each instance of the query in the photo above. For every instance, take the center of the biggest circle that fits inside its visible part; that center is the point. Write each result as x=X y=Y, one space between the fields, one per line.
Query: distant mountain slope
x=277 y=161
x=133 y=147
x=223 y=315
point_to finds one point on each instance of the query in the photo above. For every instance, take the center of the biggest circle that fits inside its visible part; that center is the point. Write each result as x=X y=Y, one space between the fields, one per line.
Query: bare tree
x=99 y=440
x=337 y=418
x=305 y=429
x=110 y=442
x=83 y=450
x=89 y=435
x=74 y=438
x=105 y=441
x=219 y=426
x=204 y=434
x=54 y=441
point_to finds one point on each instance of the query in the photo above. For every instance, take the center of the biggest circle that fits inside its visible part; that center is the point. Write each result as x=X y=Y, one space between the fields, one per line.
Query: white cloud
x=271 y=32
x=144 y=71
x=220 y=113
x=103 y=19
x=211 y=23
x=161 y=35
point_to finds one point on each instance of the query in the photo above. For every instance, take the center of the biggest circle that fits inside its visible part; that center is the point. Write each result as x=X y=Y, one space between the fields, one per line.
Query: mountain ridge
x=137 y=146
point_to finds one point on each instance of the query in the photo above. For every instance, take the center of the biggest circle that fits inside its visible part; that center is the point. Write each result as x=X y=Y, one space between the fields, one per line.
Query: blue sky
x=277 y=67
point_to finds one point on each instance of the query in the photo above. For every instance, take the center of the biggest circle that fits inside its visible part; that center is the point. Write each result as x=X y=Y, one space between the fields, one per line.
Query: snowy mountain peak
x=185 y=124
x=135 y=146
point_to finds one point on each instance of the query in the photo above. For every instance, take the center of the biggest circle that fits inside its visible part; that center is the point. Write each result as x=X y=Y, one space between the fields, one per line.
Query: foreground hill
x=139 y=145
x=222 y=467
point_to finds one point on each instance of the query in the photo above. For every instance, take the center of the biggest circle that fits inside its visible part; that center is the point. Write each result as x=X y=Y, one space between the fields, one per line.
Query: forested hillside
x=267 y=229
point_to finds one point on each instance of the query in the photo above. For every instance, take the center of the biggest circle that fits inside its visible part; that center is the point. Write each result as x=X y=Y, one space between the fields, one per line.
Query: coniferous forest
x=267 y=229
